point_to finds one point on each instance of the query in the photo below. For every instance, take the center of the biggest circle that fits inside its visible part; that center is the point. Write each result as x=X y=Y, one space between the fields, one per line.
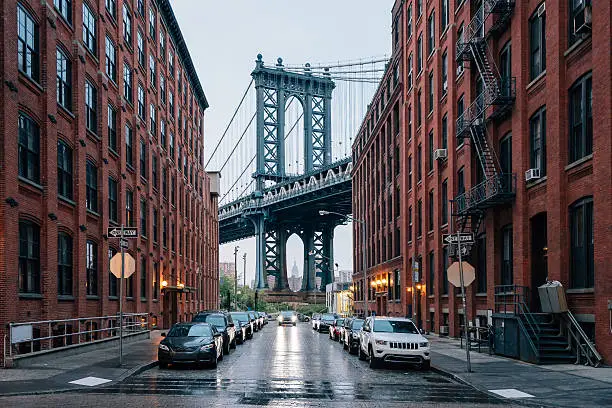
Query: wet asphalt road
x=281 y=366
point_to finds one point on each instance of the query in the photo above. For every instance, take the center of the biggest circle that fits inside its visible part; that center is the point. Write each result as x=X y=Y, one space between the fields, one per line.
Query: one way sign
x=463 y=237
x=128 y=232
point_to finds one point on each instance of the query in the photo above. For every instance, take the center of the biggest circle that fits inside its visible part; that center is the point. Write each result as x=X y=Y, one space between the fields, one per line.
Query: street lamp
x=235 y=278
x=363 y=249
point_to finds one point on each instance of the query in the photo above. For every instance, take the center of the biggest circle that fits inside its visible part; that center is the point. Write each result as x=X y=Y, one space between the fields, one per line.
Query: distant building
x=344 y=276
x=295 y=280
x=227 y=269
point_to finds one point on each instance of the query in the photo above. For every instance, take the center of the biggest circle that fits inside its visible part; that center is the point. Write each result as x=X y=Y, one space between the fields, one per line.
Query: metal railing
x=27 y=338
x=579 y=341
x=495 y=188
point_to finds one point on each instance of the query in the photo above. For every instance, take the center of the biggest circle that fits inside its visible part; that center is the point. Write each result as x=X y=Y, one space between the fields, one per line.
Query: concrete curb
x=137 y=370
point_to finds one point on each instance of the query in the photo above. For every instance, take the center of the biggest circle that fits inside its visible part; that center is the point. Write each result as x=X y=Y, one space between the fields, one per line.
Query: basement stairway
x=545 y=333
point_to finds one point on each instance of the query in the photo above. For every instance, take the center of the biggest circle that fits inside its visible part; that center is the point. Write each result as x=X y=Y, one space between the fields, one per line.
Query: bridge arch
x=294 y=140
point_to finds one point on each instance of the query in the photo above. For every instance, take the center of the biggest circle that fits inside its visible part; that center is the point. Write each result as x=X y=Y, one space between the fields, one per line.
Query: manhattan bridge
x=285 y=155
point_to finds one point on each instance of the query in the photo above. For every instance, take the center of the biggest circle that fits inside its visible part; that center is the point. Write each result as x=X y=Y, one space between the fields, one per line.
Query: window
x=143 y=217
x=171 y=103
x=420 y=218
x=581 y=118
x=410 y=71
x=162 y=44
x=419 y=8
x=444 y=15
x=112 y=128
x=155 y=280
x=576 y=7
x=431 y=214
x=152 y=73
x=444 y=270
x=143 y=159
x=112 y=200
x=129 y=208
x=431 y=92
x=27 y=44
x=430 y=150
x=64 y=7
x=91 y=196
x=162 y=89
x=505 y=69
x=89 y=29
x=112 y=280
x=29 y=257
x=444 y=73
x=460 y=41
x=432 y=273
x=506 y=272
x=410 y=172
x=91 y=107
x=141 y=53
x=444 y=199
x=481 y=265
x=152 y=120
x=171 y=62
x=537 y=43
x=444 y=131
x=64 y=170
x=29 y=149
x=127 y=83
x=410 y=224
x=537 y=136
x=419 y=169
x=127 y=24
x=505 y=159
x=164 y=231
x=155 y=226
x=143 y=277
x=141 y=7
x=164 y=181
x=162 y=133
x=460 y=182
x=129 y=143
x=91 y=265
x=431 y=34
x=409 y=23
x=582 y=273
x=152 y=22
x=460 y=118
x=111 y=8
x=64 y=79
x=171 y=146
x=141 y=102
x=420 y=53
x=64 y=264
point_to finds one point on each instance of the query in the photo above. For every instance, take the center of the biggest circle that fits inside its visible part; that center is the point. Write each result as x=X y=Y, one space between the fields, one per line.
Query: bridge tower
x=274 y=86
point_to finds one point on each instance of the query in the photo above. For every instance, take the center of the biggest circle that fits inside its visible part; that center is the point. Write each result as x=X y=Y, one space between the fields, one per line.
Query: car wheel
x=221 y=355
x=425 y=365
x=163 y=366
x=233 y=343
x=226 y=348
x=215 y=362
x=362 y=355
x=344 y=346
x=294 y=324
x=374 y=362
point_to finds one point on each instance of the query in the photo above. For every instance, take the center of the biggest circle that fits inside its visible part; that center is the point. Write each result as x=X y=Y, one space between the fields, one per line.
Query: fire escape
x=493 y=103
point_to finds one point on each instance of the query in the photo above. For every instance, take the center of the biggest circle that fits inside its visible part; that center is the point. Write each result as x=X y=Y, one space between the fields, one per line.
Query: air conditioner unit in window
x=583 y=20
x=440 y=154
x=532 y=174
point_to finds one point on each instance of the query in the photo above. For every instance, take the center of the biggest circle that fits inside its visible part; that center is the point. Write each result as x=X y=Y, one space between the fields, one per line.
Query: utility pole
x=244 y=271
x=235 y=278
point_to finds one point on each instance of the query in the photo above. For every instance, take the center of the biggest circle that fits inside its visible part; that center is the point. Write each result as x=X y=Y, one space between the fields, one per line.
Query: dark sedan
x=244 y=327
x=327 y=320
x=224 y=324
x=198 y=343
x=350 y=341
x=287 y=317
x=255 y=321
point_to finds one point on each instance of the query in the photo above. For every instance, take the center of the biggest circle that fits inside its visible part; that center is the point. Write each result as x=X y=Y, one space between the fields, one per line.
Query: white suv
x=393 y=340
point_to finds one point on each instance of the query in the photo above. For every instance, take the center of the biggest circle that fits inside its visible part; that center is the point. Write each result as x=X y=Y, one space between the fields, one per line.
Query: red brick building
x=101 y=124
x=506 y=132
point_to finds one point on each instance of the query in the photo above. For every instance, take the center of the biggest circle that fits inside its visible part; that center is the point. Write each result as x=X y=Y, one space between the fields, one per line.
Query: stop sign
x=115 y=265
x=469 y=274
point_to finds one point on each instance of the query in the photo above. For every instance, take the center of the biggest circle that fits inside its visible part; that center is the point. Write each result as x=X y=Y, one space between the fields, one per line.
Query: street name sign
x=115 y=265
x=463 y=238
x=123 y=243
x=128 y=232
x=469 y=274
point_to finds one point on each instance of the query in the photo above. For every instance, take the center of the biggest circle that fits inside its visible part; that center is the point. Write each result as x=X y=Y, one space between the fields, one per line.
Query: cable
x=237 y=143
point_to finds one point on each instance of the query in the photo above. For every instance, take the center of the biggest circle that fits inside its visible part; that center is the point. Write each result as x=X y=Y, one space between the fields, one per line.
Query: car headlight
x=280 y=318
x=381 y=342
x=207 y=347
x=293 y=318
x=164 y=347
x=424 y=344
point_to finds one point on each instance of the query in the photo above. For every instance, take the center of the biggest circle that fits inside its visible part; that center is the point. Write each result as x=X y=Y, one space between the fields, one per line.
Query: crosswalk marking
x=90 y=381
x=512 y=393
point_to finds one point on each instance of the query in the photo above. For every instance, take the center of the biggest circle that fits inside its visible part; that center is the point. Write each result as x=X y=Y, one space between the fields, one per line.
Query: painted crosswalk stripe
x=90 y=381
x=512 y=393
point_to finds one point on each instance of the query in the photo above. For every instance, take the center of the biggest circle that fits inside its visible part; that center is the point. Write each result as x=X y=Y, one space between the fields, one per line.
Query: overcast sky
x=224 y=38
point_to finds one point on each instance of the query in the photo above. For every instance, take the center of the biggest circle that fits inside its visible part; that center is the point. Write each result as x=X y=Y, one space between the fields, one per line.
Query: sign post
x=465 y=317
x=122 y=233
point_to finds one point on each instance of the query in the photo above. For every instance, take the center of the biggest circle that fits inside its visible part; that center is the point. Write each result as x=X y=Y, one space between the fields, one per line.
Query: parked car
x=260 y=319
x=303 y=318
x=197 y=343
x=287 y=317
x=264 y=317
x=351 y=334
x=336 y=328
x=393 y=340
x=255 y=321
x=316 y=319
x=245 y=323
x=327 y=319
x=223 y=323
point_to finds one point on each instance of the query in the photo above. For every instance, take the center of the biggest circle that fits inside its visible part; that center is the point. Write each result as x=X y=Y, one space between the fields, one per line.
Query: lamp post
x=363 y=250
x=235 y=278
x=244 y=270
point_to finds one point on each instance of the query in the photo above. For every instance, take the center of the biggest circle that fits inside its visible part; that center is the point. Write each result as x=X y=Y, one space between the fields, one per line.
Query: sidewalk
x=563 y=385
x=87 y=369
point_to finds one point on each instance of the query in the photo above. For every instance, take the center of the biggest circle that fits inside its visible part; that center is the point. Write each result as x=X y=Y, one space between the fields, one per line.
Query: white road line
x=90 y=381
x=512 y=393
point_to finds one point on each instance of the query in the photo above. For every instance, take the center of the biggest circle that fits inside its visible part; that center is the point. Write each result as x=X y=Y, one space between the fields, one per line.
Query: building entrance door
x=539 y=264
x=170 y=308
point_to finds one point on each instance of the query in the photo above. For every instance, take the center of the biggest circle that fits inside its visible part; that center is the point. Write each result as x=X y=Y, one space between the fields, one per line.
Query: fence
x=33 y=337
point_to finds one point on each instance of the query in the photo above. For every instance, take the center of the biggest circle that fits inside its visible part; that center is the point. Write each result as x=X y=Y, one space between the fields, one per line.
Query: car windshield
x=357 y=323
x=216 y=320
x=340 y=322
x=243 y=317
x=316 y=316
x=198 y=330
x=287 y=313
x=327 y=317
x=395 y=326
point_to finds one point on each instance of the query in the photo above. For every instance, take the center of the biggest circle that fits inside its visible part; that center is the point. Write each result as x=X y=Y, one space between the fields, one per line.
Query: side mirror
x=217 y=334
x=163 y=334
x=231 y=325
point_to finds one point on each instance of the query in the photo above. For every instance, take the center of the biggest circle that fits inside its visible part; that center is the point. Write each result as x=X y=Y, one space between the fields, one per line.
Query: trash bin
x=552 y=297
